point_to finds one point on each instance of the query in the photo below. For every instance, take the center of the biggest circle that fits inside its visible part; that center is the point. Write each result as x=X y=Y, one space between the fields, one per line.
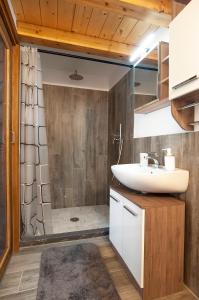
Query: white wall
x=98 y=76
x=159 y=122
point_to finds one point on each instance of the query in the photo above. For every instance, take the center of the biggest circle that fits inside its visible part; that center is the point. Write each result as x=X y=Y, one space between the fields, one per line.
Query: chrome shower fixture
x=76 y=76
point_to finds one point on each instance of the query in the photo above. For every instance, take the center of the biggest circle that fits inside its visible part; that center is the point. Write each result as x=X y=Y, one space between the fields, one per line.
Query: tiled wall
x=77 y=129
x=121 y=112
x=185 y=146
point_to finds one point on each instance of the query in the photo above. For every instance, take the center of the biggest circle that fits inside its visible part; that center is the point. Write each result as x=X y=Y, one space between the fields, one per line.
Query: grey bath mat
x=74 y=273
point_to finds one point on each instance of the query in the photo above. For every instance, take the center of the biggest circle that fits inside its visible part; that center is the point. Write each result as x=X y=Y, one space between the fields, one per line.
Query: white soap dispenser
x=169 y=160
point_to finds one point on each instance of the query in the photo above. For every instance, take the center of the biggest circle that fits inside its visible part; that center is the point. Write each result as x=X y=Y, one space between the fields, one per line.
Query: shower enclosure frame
x=16 y=214
x=6 y=141
x=11 y=129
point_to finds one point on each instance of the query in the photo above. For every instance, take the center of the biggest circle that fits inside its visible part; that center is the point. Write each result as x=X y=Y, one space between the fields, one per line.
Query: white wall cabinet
x=183 y=52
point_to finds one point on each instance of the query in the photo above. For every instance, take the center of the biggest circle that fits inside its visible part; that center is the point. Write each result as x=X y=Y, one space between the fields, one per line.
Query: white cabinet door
x=184 y=52
x=115 y=226
x=133 y=240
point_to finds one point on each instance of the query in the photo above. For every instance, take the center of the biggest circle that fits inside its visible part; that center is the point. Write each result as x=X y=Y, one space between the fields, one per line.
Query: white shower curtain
x=35 y=189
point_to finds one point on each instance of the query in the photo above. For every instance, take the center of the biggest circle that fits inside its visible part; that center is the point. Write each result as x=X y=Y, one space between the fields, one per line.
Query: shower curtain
x=35 y=189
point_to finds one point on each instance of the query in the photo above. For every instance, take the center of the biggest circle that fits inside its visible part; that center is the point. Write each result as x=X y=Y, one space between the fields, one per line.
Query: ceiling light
x=145 y=47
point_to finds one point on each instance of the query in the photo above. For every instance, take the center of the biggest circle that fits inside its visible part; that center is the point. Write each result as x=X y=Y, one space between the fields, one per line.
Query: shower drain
x=74 y=219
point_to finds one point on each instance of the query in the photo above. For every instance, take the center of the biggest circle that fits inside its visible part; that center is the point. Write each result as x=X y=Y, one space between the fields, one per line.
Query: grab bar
x=175 y=87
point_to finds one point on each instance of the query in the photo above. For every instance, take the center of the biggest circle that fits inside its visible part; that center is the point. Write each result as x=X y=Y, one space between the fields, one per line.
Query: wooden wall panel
x=186 y=149
x=121 y=111
x=77 y=128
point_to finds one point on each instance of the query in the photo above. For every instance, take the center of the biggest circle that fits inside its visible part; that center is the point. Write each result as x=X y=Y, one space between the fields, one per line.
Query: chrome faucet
x=153 y=156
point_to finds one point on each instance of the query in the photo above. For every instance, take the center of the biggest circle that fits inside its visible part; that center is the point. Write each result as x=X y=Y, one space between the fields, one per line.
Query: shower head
x=76 y=76
x=137 y=84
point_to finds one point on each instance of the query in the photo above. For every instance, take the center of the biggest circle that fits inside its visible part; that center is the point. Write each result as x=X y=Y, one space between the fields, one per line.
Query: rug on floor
x=74 y=273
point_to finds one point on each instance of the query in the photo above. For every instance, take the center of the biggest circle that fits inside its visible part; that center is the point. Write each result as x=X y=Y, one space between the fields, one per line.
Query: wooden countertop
x=147 y=201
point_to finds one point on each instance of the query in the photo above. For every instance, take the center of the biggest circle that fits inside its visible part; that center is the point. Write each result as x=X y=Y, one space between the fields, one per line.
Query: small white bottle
x=169 y=160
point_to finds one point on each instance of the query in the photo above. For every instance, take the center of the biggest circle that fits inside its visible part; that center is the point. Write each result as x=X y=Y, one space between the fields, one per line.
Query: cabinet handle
x=130 y=211
x=116 y=200
x=175 y=87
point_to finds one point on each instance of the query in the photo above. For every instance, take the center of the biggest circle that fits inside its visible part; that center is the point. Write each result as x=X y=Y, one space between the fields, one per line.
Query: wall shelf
x=163 y=80
x=194 y=123
x=152 y=106
x=165 y=60
x=188 y=106
x=182 y=110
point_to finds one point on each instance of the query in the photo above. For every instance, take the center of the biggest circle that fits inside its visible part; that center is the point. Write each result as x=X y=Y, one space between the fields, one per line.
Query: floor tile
x=27 y=295
x=10 y=283
x=23 y=262
x=29 y=280
x=20 y=280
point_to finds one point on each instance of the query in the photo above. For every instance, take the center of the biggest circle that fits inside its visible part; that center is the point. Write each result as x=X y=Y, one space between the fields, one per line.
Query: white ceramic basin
x=150 y=179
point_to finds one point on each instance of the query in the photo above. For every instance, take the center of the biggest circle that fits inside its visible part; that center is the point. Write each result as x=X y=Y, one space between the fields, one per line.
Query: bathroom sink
x=150 y=179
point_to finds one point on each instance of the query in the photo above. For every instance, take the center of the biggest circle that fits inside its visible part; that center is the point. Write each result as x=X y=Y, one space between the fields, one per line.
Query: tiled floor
x=21 y=277
x=90 y=217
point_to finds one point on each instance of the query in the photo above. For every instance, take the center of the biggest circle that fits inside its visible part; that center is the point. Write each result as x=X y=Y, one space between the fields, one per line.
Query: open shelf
x=163 y=71
x=152 y=106
x=194 y=123
x=165 y=80
x=187 y=106
x=165 y=60
x=182 y=110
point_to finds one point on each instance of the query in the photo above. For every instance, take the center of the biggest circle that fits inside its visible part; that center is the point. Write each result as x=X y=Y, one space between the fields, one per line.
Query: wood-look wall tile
x=121 y=112
x=77 y=128
x=102 y=181
x=185 y=147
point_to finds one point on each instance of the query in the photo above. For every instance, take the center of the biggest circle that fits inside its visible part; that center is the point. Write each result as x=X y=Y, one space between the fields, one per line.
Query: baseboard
x=68 y=236
x=190 y=291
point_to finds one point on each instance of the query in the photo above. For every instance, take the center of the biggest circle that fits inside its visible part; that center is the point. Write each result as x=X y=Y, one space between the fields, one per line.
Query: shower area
x=77 y=122
x=73 y=129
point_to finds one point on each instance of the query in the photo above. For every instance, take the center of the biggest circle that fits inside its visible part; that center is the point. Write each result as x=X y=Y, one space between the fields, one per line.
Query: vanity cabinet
x=115 y=231
x=147 y=231
x=133 y=239
x=126 y=233
x=183 y=52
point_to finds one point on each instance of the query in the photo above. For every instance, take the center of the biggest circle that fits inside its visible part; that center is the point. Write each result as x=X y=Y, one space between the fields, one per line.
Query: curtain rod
x=95 y=59
x=147 y=68
x=85 y=58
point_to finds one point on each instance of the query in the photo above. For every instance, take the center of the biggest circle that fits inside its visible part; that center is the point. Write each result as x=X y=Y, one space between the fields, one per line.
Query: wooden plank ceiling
x=112 y=28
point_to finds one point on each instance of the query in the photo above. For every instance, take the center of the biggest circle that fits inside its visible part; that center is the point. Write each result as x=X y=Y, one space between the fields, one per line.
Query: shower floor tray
x=80 y=218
